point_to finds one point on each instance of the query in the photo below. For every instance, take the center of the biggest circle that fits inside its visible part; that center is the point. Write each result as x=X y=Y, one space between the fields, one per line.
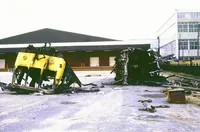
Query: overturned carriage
x=137 y=66
x=42 y=69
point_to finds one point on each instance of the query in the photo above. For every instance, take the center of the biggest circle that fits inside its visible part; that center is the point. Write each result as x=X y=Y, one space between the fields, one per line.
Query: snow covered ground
x=114 y=108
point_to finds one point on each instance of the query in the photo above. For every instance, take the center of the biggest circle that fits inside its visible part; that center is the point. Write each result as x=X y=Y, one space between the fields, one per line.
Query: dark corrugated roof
x=102 y=47
x=85 y=48
x=49 y=36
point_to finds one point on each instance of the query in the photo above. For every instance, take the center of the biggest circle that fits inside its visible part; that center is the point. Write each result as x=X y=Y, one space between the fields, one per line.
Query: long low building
x=83 y=52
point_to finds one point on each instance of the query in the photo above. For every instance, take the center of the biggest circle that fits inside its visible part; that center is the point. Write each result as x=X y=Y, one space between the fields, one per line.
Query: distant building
x=179 y=35
x=83 y=52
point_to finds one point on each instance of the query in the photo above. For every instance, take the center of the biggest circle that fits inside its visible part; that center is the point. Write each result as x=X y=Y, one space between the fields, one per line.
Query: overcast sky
x=117 y=19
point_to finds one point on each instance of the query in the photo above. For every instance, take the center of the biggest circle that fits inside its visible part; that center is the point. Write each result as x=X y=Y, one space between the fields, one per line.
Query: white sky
x=117 y=19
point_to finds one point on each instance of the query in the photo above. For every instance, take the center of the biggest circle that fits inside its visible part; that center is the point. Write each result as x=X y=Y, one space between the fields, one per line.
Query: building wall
x=10 y=59
x=188 y=34
x=168 y=36
x=75 y=59
x=81 y=59
x=2 y=62
x=168 y=49
x=179 y=35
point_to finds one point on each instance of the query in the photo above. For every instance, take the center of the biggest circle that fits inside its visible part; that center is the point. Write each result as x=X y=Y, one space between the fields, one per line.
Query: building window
x=195 y=15
x=181 y=15
x=193 y=43
x=182 y=27
x=188 y=26
x=193 y=26
x=188 y=15
x=183 y=44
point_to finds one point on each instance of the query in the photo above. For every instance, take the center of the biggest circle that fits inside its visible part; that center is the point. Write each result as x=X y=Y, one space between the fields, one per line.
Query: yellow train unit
x=184 y=66
x=42 y=69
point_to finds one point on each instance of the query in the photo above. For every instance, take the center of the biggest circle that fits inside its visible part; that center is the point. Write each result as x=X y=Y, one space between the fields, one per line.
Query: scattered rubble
x=2 y=87
x=39 y=93
x=161 y=106
x=92 y=75
x=150 y=108
x=86 y=90
x=147 y=100
x=193 y=100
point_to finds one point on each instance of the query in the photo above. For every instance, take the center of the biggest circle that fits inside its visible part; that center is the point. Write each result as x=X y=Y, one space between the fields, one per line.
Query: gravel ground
x=114 y=108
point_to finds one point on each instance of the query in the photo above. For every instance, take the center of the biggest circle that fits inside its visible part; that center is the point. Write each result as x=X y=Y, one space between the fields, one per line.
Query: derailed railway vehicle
x=137 y=66
x=183 y=66
x=42 y=69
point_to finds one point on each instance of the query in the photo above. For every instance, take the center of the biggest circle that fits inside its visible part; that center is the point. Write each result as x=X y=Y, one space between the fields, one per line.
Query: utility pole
x=158 y=45
x=179 y=48
x=198 y=40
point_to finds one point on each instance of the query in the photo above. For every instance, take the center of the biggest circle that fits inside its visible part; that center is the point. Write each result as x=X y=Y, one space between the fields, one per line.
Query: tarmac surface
x=113 y=109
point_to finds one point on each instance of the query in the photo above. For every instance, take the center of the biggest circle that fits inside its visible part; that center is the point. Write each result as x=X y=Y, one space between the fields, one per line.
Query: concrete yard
x=113 y=109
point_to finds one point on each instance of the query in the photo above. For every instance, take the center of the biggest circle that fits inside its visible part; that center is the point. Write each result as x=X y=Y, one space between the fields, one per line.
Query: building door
x=111 y=61
x=2 y=63
x=94 y=61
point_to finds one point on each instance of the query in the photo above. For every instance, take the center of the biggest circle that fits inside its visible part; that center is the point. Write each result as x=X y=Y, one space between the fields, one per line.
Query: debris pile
x=137 y=66
x=150 y=108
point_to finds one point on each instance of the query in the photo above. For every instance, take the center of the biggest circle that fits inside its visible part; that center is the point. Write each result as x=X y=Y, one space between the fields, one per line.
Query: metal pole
x=158 y=45
x=183 y=48
x=198 y=41
x=179 y=38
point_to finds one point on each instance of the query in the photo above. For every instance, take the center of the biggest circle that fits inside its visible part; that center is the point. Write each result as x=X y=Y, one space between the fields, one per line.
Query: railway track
x=181 y=80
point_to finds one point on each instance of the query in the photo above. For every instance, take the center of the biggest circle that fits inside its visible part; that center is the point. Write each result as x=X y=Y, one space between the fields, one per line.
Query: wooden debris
x=149 y=109
x=186 y=88
x=160 y=106
x=147 y=100
x=92 y=75
x=87 y=90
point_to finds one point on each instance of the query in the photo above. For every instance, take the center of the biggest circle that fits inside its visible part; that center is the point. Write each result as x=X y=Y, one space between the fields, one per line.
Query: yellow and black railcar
x=184 y=66
x=42 y=69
